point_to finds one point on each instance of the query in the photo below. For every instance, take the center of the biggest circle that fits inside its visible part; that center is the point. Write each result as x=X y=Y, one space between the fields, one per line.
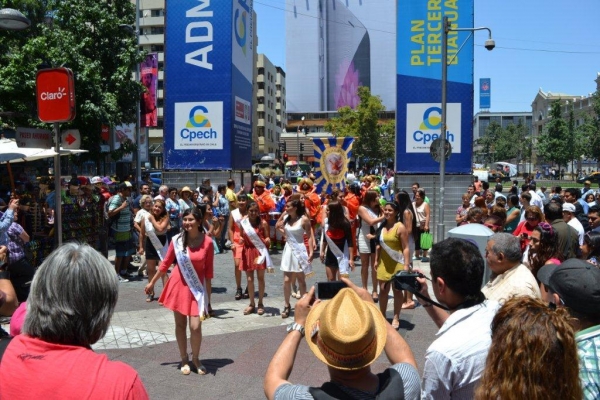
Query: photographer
x=456 y=359
x=341 y=346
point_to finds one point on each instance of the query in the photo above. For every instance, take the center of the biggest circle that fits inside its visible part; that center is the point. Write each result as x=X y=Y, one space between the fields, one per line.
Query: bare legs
x=287 y=285
x=367 y=261
x=260 y=274
x=332 y=273
x=181 y=322
x=384 y=289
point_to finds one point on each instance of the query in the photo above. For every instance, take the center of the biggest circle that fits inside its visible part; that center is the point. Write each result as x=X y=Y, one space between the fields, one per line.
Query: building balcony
x=260 y=122
x=260 y=107
x=260 y=93
x=152 y=21
x=260 y=78
x=151 y=39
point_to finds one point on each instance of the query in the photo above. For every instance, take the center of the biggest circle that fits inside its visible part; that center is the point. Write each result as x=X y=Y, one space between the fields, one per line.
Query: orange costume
x=352 y=203
x=264 y=200
x=312 y=201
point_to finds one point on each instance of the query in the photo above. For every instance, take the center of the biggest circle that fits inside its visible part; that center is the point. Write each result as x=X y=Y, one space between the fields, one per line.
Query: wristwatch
x=295 y=327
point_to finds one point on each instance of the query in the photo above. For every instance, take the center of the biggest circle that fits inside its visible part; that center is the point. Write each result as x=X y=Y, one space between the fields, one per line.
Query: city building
x=541 y=109
x=269 y=90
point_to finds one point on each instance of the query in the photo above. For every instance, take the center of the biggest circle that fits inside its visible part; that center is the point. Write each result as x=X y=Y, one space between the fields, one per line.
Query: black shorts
x=150 y=251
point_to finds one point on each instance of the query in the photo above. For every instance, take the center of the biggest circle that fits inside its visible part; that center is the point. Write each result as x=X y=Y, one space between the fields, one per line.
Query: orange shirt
x=265 y=202
x=312 y=202
x=352 y=203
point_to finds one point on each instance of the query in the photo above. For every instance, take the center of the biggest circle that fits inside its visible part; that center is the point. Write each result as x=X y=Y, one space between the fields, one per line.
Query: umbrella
x=9 y=151
x=291 y=163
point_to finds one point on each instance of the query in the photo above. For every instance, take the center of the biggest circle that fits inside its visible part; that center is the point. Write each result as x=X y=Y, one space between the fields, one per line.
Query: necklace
x=195 y=242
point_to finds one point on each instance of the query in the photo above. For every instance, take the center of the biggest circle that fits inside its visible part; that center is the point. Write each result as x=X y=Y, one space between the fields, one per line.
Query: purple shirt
x=16 y=245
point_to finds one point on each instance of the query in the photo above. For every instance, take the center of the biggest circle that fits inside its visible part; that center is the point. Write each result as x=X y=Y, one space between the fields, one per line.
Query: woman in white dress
x=297 y=255
x=370 y=218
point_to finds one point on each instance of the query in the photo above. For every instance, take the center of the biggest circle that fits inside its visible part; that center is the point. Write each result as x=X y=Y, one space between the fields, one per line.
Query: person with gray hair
x=72 y=298
x=509 y=276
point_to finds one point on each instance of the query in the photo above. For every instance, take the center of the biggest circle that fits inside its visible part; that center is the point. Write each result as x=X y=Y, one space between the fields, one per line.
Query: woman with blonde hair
x=533 y=354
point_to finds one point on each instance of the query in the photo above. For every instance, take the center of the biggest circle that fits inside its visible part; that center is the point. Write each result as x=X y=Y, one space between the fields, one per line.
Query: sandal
x=249 y=310
x=286 y=311
x=238 y=293
x=375 y=297
x=199 y=368
x=246 y=295
x=149 y=297
x=185 y=369
x=395 y=323
x=261 y=309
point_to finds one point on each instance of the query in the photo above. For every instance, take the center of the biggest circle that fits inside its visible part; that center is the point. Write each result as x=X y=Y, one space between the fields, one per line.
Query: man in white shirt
x=535 y=199
x=509 y=277
x=455 y=361
x=163 y=193
x=570 y=219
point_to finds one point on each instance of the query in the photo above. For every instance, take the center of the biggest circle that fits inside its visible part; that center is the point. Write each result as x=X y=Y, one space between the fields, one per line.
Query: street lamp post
x=298 y=139
x=136 y=32
x=489 y=44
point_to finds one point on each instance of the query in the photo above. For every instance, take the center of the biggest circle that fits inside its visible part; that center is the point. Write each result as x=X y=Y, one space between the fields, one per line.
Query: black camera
x=405 y=280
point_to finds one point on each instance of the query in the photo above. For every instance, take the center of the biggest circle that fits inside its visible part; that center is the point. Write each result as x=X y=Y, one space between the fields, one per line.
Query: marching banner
x=332 y=156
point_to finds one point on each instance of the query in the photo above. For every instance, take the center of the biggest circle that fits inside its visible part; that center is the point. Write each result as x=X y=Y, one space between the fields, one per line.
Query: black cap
x=577 y=282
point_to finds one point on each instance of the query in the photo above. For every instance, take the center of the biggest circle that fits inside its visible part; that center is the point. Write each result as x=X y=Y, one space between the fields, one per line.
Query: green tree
x=374 y=140
x=590 y=130
x=554 y=143
x=84 y=35
x=488 y=142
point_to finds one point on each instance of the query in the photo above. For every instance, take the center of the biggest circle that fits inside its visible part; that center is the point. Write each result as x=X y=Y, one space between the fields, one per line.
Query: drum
x=274 y=217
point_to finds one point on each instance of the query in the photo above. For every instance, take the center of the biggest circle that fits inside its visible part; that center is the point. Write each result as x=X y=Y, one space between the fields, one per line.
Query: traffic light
x=285 y=157
x=301 y=146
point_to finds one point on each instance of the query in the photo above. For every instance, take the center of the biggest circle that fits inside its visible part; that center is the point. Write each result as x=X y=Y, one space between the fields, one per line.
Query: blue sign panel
x=419 y=86
x=208 y=85
x=485 y=93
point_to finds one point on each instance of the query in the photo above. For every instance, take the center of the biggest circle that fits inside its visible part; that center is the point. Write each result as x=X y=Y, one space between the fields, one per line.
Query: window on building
x=157 y=30
x=157 y=47
x=156 y=13
x=261 y=71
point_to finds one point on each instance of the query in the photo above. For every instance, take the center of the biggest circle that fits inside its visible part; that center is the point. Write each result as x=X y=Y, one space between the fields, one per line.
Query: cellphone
x=328 y=290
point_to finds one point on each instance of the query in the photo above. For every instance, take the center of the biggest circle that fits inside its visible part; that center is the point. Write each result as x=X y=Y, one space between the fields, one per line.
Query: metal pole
x=442 y=151
x=138 y=167
x=298 y=143
x=57 y=188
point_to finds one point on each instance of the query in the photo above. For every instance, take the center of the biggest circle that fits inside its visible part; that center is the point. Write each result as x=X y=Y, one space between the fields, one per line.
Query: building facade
x=270 y=96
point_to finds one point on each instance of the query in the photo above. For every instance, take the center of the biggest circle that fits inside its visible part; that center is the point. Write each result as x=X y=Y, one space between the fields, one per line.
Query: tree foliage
x=374 y=140
x=501 y=144
x=554 y=143
x=84 y=35
x=589 y=131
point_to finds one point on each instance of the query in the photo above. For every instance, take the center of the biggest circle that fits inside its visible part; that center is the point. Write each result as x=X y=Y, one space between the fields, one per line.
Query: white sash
x=394 y=255
x=260 y=246
x=299 y=251
x=237 y=216
x=160 y=248
x=342 y=257
x=191 y=277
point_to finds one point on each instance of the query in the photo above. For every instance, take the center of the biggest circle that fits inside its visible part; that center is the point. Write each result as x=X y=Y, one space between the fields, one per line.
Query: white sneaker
x=122 y=280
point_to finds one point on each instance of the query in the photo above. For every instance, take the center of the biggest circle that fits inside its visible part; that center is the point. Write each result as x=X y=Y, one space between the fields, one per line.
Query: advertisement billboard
x=485 y=93
x=123 y=133
x=208 y=85
x=149 y=78
x=419 y=86
x=335 y=46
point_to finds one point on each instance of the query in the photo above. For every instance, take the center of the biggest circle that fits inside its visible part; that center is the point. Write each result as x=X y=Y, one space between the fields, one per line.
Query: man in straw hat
x=455 y=361
x=312 y=201
x=347 y=333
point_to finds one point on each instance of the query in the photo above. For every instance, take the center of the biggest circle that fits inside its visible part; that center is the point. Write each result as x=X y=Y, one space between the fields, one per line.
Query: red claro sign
x=55 y=89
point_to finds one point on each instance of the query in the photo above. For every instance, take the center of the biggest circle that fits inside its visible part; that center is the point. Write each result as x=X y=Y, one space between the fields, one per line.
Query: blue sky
x=551 y=44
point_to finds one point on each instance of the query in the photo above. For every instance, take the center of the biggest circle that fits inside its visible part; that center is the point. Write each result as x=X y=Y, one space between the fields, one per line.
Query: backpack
x=108 y=219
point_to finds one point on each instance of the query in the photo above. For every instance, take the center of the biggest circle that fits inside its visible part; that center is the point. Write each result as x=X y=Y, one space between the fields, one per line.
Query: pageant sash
x=342 y=256
x=260 y=246
x=237 y=216
x=394 y=255
x=160 y=248
x=191 y=277
x=299 y=251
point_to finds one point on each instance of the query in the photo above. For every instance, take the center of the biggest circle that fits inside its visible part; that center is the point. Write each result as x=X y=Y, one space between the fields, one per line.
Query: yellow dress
x=387 y=267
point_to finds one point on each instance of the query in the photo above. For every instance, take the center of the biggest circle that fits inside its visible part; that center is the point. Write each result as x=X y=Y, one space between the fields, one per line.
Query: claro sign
x=55 y=95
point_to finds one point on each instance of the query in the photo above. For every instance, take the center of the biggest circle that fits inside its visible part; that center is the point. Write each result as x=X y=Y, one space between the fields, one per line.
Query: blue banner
x=419 y=86
x=485 y=93
x=208 y=85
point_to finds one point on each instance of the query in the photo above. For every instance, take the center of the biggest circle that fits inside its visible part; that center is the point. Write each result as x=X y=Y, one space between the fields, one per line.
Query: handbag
x=426 y=240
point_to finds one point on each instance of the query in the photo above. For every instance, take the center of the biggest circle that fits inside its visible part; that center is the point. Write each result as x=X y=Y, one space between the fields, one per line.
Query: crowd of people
x=539 y=311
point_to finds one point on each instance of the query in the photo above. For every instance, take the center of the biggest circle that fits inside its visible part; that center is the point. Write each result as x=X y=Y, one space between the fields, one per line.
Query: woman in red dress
x=181 y=296
x=250 y=256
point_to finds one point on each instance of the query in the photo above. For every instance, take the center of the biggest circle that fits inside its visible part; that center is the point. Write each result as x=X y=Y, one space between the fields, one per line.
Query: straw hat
x=304 y=181
x=260 y=184
x=346 y=332
x=186 y=189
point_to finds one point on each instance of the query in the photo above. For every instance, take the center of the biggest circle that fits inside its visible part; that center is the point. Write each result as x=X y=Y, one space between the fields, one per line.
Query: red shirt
x=34 y=369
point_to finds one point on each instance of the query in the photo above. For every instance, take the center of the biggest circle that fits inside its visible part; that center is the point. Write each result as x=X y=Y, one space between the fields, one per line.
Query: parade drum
x=274 y=216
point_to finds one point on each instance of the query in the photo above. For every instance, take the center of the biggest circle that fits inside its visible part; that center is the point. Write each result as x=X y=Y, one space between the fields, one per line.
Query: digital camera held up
x=405 y=280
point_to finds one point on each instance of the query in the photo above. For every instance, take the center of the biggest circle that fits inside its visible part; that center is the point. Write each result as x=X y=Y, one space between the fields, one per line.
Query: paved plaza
x=236 y=349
